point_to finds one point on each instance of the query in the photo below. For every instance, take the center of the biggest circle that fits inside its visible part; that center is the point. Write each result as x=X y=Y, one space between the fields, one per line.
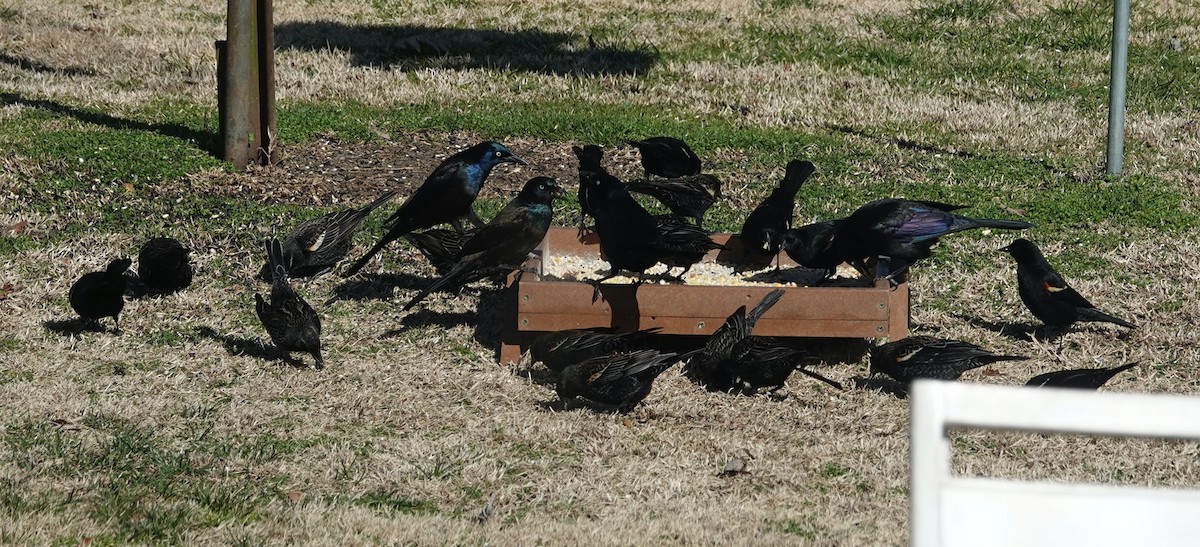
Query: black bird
x=758 y=362
x=440 y=245
x=683 y=243
x=589 y=157
x=318 y=244
x=291 y=322
x=445 y=196
x=558 y=349
x=902 y=231
x=508 y=239
x=928 y=357
x=667 y=157
x=1047 y=294
x=97 y=295
x=620 y=379
x=761 y=230
x=689 y=196
x=812 y=246
x=630 y=238
x=1080 y=378
x=163 y=265
x=704 y=367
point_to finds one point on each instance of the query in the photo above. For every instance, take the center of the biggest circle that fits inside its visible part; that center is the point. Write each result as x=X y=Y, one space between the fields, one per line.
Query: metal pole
x=268 y=150
x=1116 y=86
x=239 y=32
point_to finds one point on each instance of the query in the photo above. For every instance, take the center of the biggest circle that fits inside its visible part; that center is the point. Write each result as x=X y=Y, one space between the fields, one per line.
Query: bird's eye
x=499 y=153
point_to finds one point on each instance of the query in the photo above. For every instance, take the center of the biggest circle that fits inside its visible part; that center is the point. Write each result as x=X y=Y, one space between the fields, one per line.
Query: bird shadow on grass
x=249 y=347
x=1021 y=332
x=74 y=327
x=376 y=286
x=206 y=141
x=885 y=385
x=408 y=47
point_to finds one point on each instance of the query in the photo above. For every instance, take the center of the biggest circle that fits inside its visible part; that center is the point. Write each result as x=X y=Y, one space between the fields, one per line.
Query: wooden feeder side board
x=535 y=305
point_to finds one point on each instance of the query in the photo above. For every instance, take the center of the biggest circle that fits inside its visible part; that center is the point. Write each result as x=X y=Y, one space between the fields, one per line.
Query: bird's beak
x=514 y=159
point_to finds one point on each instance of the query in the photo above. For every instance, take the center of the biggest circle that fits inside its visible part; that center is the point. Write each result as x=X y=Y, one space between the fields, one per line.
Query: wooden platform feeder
x=537 y=304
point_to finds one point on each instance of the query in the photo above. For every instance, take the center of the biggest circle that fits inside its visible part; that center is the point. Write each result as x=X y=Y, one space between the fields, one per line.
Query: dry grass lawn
x=185 y=429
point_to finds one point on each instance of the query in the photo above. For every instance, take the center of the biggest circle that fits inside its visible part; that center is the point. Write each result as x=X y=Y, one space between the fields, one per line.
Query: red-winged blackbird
x=705 y=366
x=621 y=379
x=667 y=157
x=902 y=231
x=812 y=246
x=761 y=231
x=507 y=240
x=556 y=350
x=163 y=265
x=445 y=196
x=689 y=196
x=291 y=322
x=1047 y=294
x=97 y=295
x=927 y=357
x=630 y=238
x=440 y=245
x=317 y=245
x=758 y=362
x=1081 y=378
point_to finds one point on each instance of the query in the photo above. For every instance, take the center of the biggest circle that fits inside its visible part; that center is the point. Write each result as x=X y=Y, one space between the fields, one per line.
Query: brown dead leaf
x=295 y=496
x=17 y=228
x=991 y=372
x=6 y=290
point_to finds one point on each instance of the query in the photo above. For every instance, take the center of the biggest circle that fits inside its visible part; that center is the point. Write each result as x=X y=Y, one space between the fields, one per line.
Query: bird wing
x=919 y=223
x=1059 y=290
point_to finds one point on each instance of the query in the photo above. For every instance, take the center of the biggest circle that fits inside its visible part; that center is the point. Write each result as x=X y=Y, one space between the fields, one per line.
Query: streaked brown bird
x=318 y=244
x=619 y=379
x=292 y=324
x=928 y=357
x=556 y=350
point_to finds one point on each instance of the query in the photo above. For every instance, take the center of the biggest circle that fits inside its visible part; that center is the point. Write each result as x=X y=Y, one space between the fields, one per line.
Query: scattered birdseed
x=584 y=268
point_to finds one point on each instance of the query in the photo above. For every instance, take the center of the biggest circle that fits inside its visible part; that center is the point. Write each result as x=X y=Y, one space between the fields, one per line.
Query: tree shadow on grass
x=204 y=140
x=414 y=46
x=42 y=68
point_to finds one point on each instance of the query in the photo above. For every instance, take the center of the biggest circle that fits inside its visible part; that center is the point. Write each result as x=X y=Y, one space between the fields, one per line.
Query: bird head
x=118 y=266
x=491 y=153
x=1022 y=250
x=541 y=190
x=589 y=157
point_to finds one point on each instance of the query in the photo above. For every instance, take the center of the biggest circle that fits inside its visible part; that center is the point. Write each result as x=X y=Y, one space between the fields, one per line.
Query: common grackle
x=811 y=246
x=620 y=379
x=291 y=322
x=630 y=238
x=316 y=245
x=440 y=245
x=589 y=157
x=163 y=265
x=773 y=216
x=758 y=362
x=667 y=157
x=445 y=196
x=1080 y=378
x=928 y=357
x=902 y=231
x=505 y=241
x=689 y=196
x=1047 y=294
x=704 y=367
x=558 y=349
x=97 y=295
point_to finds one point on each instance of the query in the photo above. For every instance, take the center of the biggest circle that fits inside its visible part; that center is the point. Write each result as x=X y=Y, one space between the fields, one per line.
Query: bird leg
x=814 y=375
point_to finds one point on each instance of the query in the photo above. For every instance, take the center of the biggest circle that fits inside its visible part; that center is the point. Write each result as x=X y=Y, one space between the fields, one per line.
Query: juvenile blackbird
x=445 y=196
x=291 y=322
x=812 y=246
x=440 y=245
x=316 y=245
x=620 y=379
x=507 y=240
x=1047 y=294
x=902 y=231
x=928 y=357
x=684 y=243
x=689 y=196
x=558 y=349
x=97 y=295
x=667 y=157
x=163 y=265
x=773 y=216
x=705 y=366
x=1081 y=378
x=758 y=362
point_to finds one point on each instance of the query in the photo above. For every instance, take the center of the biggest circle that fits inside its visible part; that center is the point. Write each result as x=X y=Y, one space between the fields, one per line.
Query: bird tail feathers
x=1093 y=314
